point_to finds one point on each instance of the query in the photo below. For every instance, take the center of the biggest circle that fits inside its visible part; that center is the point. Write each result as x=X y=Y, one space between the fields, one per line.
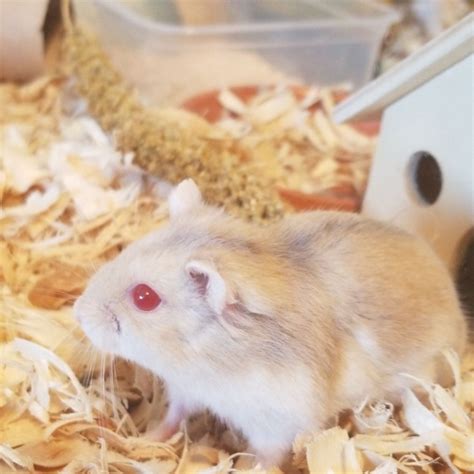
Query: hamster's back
x=389 y=290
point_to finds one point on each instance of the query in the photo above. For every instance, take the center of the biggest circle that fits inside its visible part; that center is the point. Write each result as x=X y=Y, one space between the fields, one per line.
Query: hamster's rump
x=395 y=305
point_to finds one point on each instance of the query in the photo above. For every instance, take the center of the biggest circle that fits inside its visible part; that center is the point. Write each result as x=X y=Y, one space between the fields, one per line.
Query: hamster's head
x=160 y=302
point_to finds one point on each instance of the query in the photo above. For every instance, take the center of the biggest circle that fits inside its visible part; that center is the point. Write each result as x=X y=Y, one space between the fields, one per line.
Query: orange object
x=325 y=201
x=207 y=105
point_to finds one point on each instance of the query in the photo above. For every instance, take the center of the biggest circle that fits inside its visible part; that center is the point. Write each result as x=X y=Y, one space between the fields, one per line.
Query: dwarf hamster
x=274 y=329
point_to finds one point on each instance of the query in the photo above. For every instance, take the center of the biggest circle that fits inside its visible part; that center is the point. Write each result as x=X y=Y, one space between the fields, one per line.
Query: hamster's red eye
x=145 y=298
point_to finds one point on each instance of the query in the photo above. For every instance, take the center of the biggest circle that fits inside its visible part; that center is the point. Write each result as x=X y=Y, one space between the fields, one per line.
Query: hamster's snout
x=100 y=322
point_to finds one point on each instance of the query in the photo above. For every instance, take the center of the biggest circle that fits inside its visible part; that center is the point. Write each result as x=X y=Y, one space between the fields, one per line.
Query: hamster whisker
x=85 y=350
x=90 y=367
x=76 y=340
x=93 y=267
x=112 y=386
x=69 y=336
x=85 y=358
x=102 y=388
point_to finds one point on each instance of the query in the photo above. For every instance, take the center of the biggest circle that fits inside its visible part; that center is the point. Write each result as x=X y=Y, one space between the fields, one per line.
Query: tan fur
x=321 y=311
x=320 y=276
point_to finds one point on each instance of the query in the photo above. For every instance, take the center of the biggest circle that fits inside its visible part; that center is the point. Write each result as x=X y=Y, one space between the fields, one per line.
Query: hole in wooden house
x=465 y=273
x=424 y=177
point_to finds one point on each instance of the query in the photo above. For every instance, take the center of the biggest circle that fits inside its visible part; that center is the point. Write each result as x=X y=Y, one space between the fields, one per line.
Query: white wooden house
x=422 y=176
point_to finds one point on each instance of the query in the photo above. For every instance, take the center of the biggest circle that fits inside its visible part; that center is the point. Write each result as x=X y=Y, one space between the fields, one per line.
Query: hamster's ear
x=210 y=284
x=184 y=197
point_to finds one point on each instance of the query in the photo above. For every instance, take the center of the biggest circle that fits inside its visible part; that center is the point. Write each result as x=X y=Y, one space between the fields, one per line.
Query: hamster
x=274 y=329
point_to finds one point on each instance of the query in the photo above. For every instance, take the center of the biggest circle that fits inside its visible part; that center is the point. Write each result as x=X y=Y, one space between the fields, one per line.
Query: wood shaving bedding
x=287 y=133
x=65 y=408
x=290 y=132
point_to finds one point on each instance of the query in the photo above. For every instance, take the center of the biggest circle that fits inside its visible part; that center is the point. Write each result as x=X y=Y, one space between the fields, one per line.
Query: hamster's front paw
x=169 y=426
x=163 y=432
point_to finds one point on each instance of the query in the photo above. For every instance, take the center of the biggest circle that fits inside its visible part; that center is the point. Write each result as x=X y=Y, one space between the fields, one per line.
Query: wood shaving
x=291 y=133
x=66 y=408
